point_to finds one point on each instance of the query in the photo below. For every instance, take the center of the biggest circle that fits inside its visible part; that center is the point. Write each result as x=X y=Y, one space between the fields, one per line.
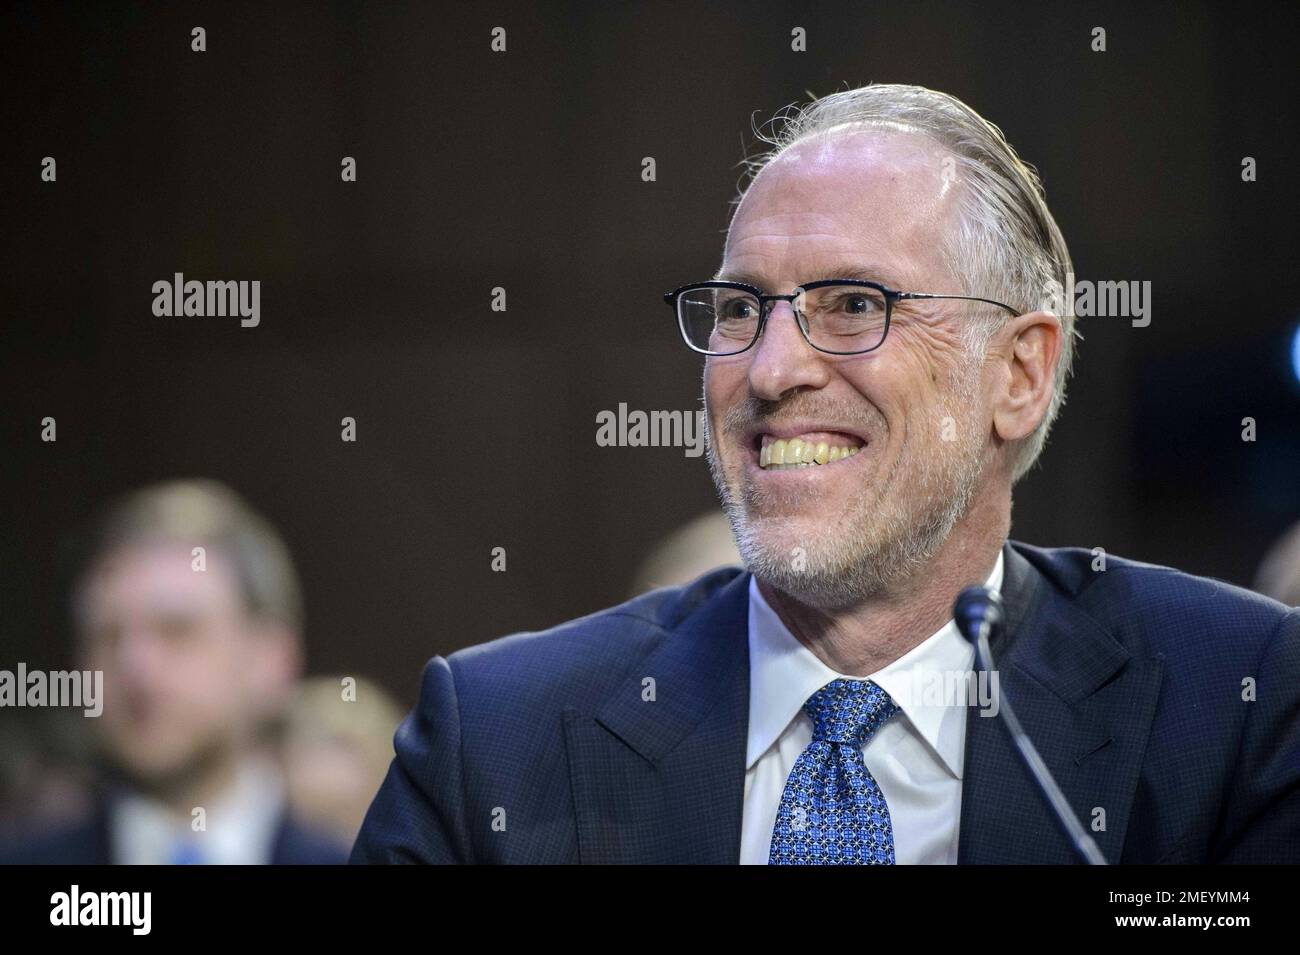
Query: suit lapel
x=1086 y=703
x=662 y=780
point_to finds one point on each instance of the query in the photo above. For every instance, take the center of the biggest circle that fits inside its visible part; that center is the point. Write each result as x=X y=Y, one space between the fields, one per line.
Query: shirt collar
x=783 y=673
x=241 y=823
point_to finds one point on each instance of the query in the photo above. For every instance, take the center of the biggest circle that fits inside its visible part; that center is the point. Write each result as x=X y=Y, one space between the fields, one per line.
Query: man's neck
x=870 y=635
x=206 y=781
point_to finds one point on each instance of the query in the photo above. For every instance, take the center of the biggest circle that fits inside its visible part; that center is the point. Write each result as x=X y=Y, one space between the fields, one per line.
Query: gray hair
x=1007 y=245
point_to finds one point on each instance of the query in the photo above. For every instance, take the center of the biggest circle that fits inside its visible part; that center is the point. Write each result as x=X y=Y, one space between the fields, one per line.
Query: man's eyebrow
x=846 y=270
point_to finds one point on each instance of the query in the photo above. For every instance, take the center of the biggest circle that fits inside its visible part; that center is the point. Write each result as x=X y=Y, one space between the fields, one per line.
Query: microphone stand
x=978 y=613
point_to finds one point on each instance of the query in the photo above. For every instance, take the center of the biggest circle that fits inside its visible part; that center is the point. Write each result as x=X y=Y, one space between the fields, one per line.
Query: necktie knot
x=849 y=711
x=833 y=811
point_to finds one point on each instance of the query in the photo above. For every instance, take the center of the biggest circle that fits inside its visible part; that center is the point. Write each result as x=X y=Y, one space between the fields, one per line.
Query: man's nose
x=783 y=359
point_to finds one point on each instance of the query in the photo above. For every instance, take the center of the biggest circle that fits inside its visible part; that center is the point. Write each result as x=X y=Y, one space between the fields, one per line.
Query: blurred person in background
x=338 y=742
x=45 y=772
x=697 y=547
x=1279 y=572
x=189 y=604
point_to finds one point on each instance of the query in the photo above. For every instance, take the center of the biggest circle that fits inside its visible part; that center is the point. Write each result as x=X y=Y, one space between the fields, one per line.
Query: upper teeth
x=801 y=452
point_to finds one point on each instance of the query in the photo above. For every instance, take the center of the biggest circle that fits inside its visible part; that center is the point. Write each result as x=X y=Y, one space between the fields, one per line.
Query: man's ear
x=1030 y=345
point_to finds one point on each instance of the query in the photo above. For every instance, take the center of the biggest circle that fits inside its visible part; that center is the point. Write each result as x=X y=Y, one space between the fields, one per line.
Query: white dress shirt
x=242 y=823
x=916 y=757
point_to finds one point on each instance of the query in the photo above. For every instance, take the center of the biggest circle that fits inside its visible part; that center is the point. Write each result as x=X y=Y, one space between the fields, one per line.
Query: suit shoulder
x=1167 y=605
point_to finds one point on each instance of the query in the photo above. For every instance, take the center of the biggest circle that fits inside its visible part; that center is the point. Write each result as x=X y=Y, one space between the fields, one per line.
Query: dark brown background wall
x=477 y=429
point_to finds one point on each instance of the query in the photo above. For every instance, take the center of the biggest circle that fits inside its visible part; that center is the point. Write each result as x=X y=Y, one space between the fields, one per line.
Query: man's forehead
x=161 y=573
x=815 y=269
x=862 y=204
x=851 y=147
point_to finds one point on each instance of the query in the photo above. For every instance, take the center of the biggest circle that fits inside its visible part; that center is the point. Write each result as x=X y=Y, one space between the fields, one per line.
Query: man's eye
x=857 y=304
x=738 y=308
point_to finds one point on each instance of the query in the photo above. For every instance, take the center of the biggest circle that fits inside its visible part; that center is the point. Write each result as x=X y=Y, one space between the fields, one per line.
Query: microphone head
x=975 y=608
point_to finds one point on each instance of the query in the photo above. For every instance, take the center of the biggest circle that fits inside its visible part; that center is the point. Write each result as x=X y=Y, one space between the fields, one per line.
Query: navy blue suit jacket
x=540 y=748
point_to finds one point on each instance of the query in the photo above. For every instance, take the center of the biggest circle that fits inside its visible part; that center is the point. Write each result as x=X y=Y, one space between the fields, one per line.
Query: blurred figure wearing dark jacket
x=189 y=603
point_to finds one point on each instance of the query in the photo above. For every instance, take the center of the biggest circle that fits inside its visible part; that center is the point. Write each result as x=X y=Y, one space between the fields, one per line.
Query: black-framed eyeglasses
x=835 y=316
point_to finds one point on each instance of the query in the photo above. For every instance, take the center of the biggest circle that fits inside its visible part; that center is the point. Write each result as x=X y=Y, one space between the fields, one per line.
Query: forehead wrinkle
x=754 y=241
x=837 y=270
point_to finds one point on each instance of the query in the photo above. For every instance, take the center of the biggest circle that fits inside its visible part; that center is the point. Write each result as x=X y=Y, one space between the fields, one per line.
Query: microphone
x=978 y=615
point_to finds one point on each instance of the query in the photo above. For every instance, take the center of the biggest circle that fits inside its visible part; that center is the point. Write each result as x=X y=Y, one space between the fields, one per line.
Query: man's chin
x=797 y=564
x=162 y=770
x=798 y=532
x=830 y=565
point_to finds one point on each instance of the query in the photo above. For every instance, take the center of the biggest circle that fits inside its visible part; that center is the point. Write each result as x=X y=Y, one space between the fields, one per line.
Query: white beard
x=873 y=547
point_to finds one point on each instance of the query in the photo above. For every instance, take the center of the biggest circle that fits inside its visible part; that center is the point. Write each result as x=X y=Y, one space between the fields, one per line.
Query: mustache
x=752 y=413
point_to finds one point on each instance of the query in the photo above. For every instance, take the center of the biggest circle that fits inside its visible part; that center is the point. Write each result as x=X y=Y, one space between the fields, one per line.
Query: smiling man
x=882 y=367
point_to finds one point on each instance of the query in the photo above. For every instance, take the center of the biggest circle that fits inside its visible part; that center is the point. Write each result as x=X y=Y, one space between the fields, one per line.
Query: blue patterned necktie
x=832 y=812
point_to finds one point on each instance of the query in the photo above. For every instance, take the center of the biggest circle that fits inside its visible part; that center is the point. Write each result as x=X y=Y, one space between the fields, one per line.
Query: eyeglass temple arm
x=967 y=298
x=669 y=296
